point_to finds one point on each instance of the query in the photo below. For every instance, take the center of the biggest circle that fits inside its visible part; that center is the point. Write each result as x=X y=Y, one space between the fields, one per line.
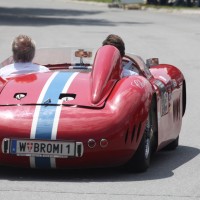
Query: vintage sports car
x=82 y=113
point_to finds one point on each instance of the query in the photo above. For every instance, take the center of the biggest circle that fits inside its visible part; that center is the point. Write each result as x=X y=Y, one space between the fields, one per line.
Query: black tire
x=141 y=159
x=173 y=145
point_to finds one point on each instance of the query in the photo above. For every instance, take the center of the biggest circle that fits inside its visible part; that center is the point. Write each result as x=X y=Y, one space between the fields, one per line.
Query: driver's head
x=116 y=41
x=23 y=48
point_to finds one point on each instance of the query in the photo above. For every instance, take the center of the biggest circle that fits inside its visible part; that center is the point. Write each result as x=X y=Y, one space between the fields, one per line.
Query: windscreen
x=64 y=55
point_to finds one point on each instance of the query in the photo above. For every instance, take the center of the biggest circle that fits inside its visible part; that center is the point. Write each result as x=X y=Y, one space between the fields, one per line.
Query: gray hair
x=23 y=48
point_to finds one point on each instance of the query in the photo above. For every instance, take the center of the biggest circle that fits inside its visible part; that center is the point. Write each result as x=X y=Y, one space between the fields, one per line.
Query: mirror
x=82 y=53
x=152 y=62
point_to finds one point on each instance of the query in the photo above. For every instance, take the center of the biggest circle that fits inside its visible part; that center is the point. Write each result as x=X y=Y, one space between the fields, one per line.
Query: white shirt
x=128 y=69
x=21 y=68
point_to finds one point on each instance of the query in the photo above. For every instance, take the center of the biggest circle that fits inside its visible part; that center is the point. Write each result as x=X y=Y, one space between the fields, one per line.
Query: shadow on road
x=47 y=17
x=162 y=166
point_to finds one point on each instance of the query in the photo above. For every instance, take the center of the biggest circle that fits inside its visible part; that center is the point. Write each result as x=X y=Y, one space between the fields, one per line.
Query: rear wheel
x=141 y=160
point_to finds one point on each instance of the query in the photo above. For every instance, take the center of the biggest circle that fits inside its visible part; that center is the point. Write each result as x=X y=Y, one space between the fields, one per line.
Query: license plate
x=42 y=148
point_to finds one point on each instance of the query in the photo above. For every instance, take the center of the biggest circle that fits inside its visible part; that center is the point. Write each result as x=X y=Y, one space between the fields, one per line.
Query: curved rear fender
x=130 y=102
x=106 y=71
x=131 y=95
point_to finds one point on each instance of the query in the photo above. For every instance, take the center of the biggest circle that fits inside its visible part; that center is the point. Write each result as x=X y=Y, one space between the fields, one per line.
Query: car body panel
x=169 y=82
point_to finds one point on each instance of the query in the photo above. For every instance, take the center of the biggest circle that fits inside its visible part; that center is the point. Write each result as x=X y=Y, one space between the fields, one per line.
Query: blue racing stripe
x=47 y=113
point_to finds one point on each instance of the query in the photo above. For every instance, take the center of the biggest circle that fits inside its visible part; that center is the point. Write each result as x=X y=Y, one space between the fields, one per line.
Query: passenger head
x=116 y=41
x=23 y=48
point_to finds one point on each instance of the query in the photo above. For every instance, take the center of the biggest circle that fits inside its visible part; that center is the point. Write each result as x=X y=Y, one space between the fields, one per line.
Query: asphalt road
x=173 y=37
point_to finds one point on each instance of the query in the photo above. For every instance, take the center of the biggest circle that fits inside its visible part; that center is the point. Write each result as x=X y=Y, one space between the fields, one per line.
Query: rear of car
x=65 y=119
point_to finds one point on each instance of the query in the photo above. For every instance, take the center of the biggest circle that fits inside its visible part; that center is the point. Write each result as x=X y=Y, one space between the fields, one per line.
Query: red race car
x=82 y=113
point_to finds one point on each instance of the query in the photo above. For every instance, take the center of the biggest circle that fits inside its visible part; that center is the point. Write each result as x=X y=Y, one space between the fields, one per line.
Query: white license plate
x=42 y=148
